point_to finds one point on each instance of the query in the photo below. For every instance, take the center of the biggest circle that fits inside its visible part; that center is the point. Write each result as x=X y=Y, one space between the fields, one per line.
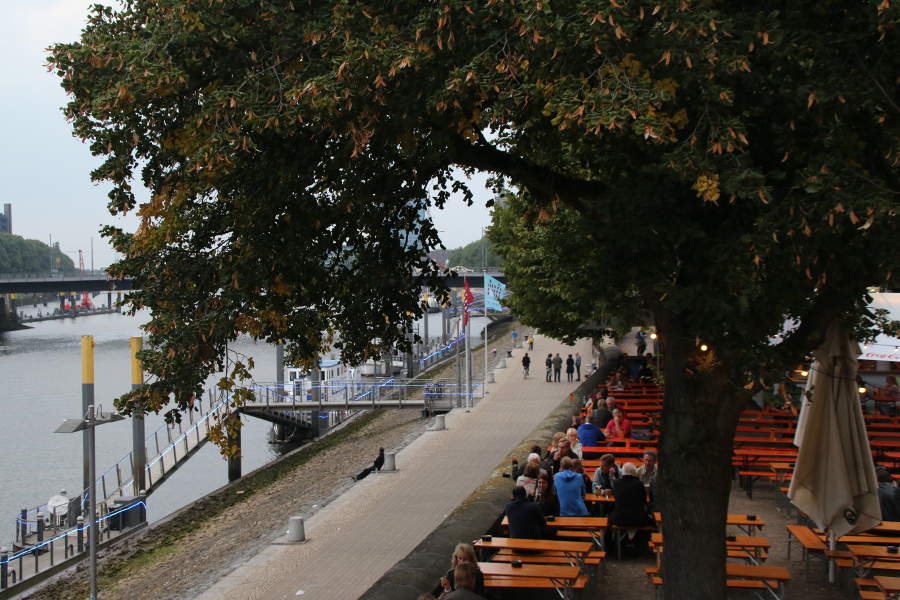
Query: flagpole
x=468 y=366
x=484 y=289
x=484 y=375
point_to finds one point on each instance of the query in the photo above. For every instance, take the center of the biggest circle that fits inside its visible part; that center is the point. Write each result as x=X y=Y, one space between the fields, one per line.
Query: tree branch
x=544 y=182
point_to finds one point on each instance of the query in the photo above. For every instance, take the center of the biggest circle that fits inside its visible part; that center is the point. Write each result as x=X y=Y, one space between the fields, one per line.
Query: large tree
x=719 y=166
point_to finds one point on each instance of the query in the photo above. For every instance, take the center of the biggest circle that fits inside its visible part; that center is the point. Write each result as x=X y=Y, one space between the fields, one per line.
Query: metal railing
x=56 y=276
x=67 y=544
x=432 y=395
x=118 y=480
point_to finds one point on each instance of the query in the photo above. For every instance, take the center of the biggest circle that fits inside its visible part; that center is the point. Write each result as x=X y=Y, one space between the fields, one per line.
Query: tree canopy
x=18 y=255
x=474 y=254
x=719 y=166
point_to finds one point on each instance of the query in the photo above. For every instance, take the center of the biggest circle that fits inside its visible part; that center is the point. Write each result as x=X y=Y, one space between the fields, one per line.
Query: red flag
x=468 y=299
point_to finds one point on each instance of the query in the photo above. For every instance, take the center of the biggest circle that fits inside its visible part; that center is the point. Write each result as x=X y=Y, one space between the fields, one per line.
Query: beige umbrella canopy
x=834 y=479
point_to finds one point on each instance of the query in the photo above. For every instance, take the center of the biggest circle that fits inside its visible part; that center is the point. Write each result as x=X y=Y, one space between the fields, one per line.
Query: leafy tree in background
x=715 y=166
x=471 y=255
x=18 y=255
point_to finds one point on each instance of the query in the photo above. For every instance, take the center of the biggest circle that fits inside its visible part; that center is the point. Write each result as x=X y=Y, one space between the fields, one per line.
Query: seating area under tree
x=540 y=550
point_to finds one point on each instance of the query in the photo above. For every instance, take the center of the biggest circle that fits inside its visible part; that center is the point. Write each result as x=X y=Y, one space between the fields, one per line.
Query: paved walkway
x=354 y=540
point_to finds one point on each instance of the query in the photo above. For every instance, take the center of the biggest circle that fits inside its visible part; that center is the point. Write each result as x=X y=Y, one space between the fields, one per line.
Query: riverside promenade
x=355 y=539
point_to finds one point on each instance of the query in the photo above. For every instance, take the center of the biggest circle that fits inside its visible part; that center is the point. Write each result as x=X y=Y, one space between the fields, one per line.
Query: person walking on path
x=578 y=365
x=531 y=342
x=557 y=367
x=549 y=363
x=526 y=362
x=641 y=339
x=515 y=337
x=570 y=368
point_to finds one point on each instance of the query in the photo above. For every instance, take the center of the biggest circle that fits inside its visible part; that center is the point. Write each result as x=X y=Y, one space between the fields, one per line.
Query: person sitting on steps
x=376 y=466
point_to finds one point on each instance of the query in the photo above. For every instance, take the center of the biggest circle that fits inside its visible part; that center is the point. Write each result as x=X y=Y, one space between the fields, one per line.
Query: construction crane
x=85 y=296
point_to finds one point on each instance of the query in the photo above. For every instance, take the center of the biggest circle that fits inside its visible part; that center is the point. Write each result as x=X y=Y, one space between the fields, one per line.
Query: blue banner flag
x=493 y=291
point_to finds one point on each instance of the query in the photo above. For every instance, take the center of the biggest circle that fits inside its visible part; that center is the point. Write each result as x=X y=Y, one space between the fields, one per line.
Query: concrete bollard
x=501 y=364
x=491 y=377
x=296 y=533
x=79 y=523
x=440 y=423
x=390 y=462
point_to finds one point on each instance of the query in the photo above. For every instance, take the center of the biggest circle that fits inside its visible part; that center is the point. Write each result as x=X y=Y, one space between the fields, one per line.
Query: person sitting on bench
x=463 y=554
x=888 y=495
x=525 y=517
x=631 y=500
x=466 y=576
x=570 y=489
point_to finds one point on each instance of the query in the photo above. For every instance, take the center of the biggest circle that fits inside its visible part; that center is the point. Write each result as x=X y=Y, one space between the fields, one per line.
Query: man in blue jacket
x=589 y=434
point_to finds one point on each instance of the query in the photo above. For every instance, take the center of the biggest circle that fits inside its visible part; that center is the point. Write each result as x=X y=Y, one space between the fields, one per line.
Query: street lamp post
x=90 y=421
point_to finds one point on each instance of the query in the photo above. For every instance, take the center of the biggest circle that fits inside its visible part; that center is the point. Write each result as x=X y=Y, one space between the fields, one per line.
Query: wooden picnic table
x=497 y=574
x=874 y=540
x=868 y=556
x=743 y=522
x=631 y=448
x=740 y=440
x=888 y=526
x=746 y=542
x=572 y=522
x=595 y=527
x=868 y=552
x=561 y=572
x=592 y=464
x=782 y=470
x=774 y=578
x=889 y=586
x=568 y=548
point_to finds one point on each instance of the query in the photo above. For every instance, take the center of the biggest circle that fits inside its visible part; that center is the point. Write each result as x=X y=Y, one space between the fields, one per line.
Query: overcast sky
x=45 y=171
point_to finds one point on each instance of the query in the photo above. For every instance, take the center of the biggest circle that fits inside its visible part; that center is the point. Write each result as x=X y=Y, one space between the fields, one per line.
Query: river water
x=40 y=374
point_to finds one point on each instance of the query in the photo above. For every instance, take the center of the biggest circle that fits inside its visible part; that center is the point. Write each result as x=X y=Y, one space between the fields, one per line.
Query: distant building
x=6 y=219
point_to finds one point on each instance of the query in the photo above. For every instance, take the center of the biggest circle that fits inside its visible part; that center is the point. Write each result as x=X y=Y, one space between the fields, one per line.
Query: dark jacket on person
x=601 y=417
x=479 y=584
x=555 y=461
x=631 y=503
x=548 y=503
x=889 y=498
x=463 y=594
x=525 y=519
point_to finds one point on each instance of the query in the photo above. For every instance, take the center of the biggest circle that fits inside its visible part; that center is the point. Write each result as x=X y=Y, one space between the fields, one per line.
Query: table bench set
x=751 y=550
x=565 y=565
x=872 y=557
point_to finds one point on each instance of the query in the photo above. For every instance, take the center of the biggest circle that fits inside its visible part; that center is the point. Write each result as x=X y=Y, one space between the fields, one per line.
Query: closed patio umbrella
x=834 y=479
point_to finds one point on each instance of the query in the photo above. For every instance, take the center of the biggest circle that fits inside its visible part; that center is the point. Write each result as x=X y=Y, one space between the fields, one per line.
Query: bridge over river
x=52 y=538
x=98 y=282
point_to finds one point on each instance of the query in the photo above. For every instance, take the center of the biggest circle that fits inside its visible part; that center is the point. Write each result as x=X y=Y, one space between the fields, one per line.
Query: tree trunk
x=700 y=414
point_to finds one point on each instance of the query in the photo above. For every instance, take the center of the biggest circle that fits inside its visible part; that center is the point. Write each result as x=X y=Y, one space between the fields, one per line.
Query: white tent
x=834 y=479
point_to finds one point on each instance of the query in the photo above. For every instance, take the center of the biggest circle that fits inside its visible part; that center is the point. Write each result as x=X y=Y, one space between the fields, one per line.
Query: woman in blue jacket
x=570 y=490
